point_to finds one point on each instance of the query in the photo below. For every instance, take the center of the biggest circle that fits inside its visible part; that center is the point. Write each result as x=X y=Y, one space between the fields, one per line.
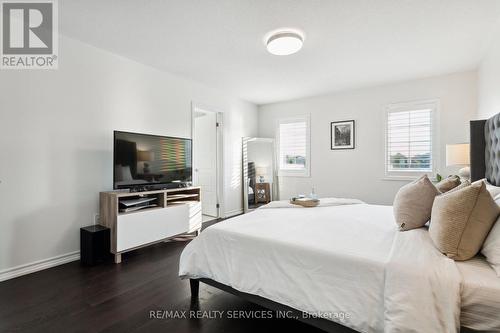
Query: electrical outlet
x=96 y=218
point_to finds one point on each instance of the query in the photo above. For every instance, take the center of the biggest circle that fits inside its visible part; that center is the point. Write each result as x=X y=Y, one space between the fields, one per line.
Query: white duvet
x=324 y=202
x=346 y=263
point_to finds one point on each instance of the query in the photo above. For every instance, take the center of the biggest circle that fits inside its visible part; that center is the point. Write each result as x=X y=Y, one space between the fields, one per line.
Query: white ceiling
x=348 y=44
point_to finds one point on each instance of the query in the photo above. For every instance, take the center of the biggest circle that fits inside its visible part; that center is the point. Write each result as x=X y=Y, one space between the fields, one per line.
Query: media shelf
x=138 y=219
x=141 y=209
x=140 y=202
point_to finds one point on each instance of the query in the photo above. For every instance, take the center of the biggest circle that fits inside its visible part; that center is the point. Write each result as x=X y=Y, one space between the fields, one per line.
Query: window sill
x=406 y=178
x=397 y=178
x=293 y=174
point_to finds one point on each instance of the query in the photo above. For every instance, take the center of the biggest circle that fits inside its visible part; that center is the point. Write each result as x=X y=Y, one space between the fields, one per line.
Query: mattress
x=480 y=305
x=348 y=264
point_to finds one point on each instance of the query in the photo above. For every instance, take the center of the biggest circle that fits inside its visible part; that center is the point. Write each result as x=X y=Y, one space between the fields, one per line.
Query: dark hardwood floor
x=119 y=298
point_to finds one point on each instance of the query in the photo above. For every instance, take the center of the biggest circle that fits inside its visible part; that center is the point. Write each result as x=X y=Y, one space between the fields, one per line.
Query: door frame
x=219 y=150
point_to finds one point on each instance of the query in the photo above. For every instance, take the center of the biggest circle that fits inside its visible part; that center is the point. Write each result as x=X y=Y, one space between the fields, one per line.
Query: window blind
x=293 y=145
x=409 y=141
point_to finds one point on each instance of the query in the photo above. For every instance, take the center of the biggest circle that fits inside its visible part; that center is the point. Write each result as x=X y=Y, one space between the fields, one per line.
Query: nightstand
x=262 y=192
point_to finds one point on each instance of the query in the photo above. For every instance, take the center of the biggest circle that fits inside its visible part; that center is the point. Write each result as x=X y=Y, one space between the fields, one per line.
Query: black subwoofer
x=94 y=244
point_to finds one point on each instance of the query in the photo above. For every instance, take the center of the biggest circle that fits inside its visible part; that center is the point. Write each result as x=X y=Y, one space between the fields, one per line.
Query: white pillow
x=122 y=173
x=118 y=173
x=494 y=190
x=491 y=246
x=126 y=174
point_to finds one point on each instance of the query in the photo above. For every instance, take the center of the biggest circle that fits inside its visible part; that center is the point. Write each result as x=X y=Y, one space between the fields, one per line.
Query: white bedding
x=480 y=296
x=324 y=202
x=347 y=263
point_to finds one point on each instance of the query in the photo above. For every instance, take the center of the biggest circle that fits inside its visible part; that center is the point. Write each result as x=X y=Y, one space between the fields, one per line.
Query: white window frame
x=434 y=105
x=306 y=172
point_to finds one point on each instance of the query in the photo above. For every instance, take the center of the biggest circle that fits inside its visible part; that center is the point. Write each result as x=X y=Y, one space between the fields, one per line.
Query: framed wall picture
x=342 y=134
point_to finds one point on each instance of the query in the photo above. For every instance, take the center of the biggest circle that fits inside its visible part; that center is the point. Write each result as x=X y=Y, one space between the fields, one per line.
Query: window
x=294 y=147
x=410 y=145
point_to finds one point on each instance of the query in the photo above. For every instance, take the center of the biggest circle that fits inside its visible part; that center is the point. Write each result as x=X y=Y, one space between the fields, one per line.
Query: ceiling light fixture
x=284 y=42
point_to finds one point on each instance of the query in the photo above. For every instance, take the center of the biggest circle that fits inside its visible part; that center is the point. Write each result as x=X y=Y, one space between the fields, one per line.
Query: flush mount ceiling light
x=284 y=42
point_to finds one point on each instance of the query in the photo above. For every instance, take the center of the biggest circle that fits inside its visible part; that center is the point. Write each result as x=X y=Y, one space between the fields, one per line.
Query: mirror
x=260 y=185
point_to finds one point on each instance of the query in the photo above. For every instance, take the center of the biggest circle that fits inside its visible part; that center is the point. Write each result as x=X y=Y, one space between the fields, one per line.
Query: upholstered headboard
x=485 y=149
x=492 y=149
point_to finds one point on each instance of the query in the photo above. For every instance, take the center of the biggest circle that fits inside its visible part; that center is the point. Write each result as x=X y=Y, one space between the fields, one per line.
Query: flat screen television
x=151 y=161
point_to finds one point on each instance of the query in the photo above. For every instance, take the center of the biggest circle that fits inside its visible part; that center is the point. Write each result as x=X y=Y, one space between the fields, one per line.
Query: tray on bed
x=305 y=202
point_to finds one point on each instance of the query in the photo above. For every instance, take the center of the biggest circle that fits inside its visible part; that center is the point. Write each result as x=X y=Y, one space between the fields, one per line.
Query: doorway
x=206 y=135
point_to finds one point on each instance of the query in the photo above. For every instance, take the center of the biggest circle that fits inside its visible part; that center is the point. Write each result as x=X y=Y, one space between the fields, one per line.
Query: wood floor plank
x=119 y=298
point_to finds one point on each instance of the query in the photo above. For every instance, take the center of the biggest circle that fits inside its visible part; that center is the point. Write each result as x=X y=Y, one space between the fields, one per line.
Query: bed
x=480 y=298
x=347 y=265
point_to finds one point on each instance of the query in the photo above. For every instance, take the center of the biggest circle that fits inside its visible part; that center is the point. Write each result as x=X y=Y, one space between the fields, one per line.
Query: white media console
x=138 y=219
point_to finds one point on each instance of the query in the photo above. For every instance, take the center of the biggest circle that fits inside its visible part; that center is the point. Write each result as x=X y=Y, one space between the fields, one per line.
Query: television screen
x=143 y=160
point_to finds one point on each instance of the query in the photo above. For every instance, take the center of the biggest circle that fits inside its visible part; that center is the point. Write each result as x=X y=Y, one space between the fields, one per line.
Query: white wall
x=56 y=142
x=359 y=173
x=489 y=80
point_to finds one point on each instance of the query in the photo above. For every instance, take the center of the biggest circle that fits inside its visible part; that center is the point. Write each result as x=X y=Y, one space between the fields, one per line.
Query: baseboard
x=233 y=212
x=39 y=265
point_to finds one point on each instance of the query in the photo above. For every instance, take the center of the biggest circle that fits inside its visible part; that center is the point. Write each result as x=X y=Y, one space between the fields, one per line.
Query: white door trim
x=219 y=150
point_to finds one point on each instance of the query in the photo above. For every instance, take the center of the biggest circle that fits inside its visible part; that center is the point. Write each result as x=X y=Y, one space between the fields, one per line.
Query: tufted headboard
x=485 y=149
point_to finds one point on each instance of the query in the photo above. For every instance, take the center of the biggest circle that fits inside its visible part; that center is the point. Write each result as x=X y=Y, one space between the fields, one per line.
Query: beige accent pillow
x=464 y=184
x=448 y=183
x=462 y=219
x=413 y=203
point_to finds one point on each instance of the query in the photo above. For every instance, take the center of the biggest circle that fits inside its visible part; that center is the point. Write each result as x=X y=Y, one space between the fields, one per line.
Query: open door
x=205 y=160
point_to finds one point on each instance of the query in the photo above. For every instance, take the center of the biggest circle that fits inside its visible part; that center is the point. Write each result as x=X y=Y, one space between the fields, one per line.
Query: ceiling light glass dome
x=284 y=42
